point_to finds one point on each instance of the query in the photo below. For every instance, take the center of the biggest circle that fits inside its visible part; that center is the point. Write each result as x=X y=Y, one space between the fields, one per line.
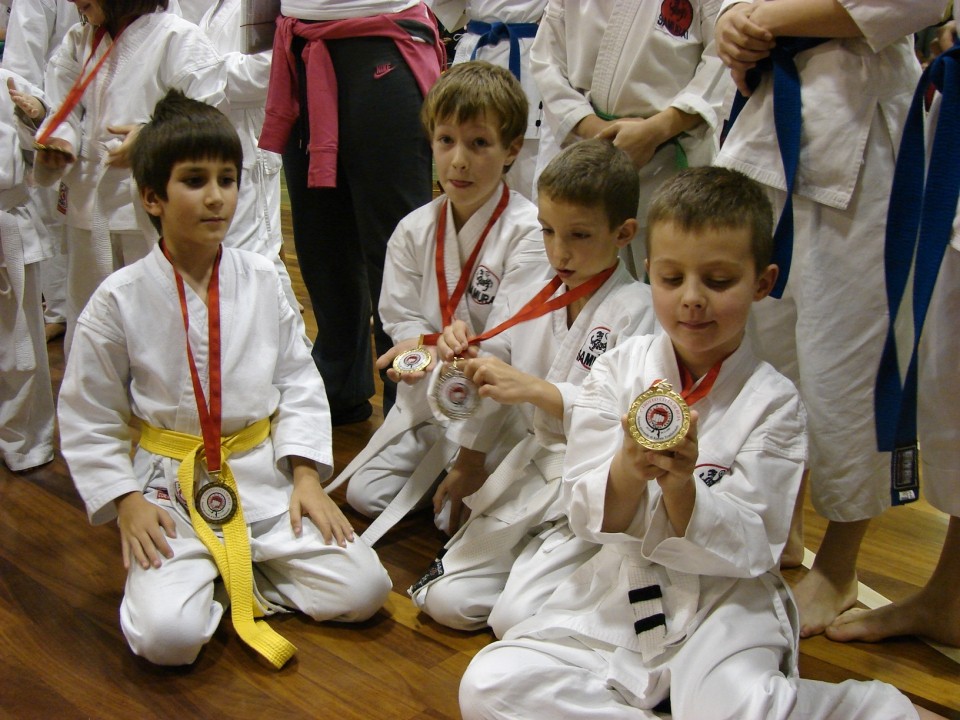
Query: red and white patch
x=676 y=17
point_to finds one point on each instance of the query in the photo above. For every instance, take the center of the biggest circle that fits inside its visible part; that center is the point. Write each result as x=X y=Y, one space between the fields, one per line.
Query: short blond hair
x=477 y=89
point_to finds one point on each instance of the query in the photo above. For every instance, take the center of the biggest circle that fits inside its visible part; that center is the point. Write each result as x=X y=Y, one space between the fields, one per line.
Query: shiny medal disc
x=456 y=395
x=659 y=418
x=411 y=361
x=216 y=503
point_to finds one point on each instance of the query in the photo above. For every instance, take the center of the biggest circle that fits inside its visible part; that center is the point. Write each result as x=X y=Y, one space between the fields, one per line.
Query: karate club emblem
x=676 y=16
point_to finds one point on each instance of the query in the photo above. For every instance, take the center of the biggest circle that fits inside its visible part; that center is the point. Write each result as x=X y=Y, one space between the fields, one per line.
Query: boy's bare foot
x=54 y=330
x=820 y=600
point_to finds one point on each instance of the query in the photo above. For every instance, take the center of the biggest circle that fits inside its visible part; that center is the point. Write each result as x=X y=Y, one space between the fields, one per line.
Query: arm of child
x=310 y=500
x=502 y=382
x=465 y=477
x=119 y=156
x=811 y=18
x=144 y=529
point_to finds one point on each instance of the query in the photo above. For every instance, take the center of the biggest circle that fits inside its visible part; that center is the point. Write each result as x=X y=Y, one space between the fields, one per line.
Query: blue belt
x=494 y=33
x=919 y=226
x=787 y=119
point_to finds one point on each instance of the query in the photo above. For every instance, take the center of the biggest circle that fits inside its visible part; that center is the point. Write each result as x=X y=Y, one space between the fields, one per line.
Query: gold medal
x=216 y=503
x=54 y=149
x=411 y=361
x=659 y=418
x=456 y=395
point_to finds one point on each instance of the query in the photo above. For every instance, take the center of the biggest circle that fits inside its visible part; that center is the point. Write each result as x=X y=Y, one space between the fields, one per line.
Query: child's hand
x=453 y=342
x=31 y=106
x=632 y=463
x=635 y=136
x=119 y=156
x=309 y=499
x=385 y=361
x=144 y=529
x=741 y=43
x=465 y=477
x=676 y=466
x=499 y=381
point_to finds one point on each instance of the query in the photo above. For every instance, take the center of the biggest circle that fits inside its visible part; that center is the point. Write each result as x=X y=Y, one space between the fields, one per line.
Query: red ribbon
x=209 y=418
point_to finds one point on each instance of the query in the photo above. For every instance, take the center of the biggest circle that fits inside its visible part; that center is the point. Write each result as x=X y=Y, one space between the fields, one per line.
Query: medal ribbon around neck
x=448 y=303
x=539 y=304
x=79 y=85
x=210 y=415
x=694 y=390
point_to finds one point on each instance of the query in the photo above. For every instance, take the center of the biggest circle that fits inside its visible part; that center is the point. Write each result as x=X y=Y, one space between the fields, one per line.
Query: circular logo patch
x=676 y=16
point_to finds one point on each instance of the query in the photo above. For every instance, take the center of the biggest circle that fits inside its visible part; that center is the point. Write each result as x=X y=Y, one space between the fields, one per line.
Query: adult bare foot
x=932 y=615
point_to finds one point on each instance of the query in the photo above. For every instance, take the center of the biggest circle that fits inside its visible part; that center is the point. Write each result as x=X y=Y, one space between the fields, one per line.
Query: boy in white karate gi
x=199 y=343
x=475 y=116
x=502 y=33
x=642 y=74
x=26 y=396
x=516 y=546
x=684 y=600
x=827 y=330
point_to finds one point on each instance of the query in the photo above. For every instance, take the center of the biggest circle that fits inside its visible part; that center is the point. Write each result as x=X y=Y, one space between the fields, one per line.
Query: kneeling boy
x=684 y=600
x=199 y=343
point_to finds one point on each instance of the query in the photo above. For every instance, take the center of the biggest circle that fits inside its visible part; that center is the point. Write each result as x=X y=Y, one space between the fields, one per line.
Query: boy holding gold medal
x=683 y=601
x=446 y=260
x=516 y=545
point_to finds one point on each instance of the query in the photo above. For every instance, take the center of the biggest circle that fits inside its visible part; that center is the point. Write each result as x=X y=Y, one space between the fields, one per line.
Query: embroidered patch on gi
x=484 y=286
x=593 y=347
x=710 y=475
x=435 y=571
x=676 y=17
x=162 y=494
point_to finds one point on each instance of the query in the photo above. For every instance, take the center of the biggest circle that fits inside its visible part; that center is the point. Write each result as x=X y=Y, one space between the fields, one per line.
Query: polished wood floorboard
x=62 y=654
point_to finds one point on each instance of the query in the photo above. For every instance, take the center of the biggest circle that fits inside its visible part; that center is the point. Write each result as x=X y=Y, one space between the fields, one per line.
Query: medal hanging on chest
x=411 y=361
x=659 y=418
x=457 y=396
x=215 y=502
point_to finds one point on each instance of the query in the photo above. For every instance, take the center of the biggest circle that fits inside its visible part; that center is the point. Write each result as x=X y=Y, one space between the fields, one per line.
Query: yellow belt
x=232 y=555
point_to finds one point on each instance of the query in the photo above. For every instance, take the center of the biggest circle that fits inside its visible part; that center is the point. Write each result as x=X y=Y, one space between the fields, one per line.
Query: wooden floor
x=62 y=654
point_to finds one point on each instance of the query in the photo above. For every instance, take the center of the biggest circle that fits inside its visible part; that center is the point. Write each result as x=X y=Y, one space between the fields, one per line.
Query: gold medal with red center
x=411 y=361
x=659 y=418
x=457 y=396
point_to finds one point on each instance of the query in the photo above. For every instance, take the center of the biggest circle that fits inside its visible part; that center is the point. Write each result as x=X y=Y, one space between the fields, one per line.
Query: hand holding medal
x=408 y=361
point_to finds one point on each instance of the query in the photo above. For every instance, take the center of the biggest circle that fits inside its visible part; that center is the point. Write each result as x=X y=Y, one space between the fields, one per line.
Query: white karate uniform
x=26 y=396
x=454 y=14
x=721 y=637
x=938 y=416
x=623 y=59
x=194 y=10
x=827 y=331
x=410 y=306
x=121 y=367
x=516 y=547
x=106 y=228
x=256 y=224
x=36 y=30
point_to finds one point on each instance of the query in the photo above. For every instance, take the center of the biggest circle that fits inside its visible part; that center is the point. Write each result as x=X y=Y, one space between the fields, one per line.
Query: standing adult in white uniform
x=643 y=74
x=256 y=226
x=827 y=331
